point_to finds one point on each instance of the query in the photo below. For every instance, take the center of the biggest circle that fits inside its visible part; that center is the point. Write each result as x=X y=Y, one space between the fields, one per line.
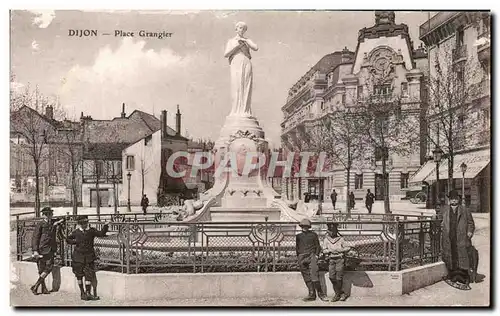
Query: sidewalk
x=439 y=294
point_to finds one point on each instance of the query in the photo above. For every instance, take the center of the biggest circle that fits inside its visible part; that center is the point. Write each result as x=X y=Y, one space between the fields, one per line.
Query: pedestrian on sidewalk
x=83 y=257
x=335 y=248
x=144 y=203
x=333 y=196
x=44 y=245
x=369 y=200
x=458 y=229
x=308 y=249
x=352 y=200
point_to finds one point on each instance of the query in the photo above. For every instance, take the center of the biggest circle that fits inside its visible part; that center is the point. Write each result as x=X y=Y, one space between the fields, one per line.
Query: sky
x=95 y=75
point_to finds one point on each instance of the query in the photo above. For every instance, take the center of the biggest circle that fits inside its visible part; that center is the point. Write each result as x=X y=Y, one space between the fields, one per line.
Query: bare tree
x=337 y=135
x=451 y=88
x=389 y=123
x=146 y=162
x=115 y=172
x=36 y=130
x=71 y=148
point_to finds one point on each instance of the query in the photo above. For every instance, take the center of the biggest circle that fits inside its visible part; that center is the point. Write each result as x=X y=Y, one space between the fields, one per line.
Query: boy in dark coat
x=44 y=246
x=83 y=257
x=458 y=228
x=308 y=250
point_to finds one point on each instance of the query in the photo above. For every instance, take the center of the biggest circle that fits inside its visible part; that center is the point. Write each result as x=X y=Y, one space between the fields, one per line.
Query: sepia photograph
x=250 y=158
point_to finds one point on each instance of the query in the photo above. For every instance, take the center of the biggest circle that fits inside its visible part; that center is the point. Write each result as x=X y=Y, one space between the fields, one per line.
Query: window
x=383 y=89
x=147 y=140
x=460 y=74
x=404 y=89
x=486 y=117
x=404 y=180
x=461 y=121
x=343 y=99
x=398 y=111
x=358 y=181
x=460 y=37
x=486 y=24
x=360 y=92
x=130 y=165
x=99 y=168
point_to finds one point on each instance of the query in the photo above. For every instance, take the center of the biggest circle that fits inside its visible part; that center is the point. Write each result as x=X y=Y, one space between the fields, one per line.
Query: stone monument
x=245 y=195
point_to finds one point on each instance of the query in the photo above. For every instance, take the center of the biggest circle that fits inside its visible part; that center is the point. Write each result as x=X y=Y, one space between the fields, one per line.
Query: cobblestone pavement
x=439 y=294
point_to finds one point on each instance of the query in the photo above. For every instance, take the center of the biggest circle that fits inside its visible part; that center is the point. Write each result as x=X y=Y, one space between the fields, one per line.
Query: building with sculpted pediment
x=340 y=80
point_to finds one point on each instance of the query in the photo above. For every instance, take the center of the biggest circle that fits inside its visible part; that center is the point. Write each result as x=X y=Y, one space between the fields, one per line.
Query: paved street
x=396 y=207
x=439 y=294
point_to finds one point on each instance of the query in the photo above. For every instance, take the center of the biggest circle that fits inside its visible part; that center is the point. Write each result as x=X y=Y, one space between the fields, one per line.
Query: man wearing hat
x=83 y=257
x=44 y=246
x=335 y=248
x=458 y=228
x=308 y=250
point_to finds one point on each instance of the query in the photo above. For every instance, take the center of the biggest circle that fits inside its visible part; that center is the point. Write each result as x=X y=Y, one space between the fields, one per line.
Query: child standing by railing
x=83 y=257
x=334 y=247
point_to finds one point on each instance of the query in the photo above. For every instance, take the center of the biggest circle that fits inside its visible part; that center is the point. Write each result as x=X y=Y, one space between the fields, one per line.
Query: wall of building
x=147 y=158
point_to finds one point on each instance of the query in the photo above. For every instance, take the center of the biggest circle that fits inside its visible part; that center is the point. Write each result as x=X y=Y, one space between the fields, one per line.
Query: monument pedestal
x=245 y=196
x=233 y=124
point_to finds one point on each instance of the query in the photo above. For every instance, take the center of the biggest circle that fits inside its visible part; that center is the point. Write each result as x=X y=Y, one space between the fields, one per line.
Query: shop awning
x=476 y=161
x=422 y=173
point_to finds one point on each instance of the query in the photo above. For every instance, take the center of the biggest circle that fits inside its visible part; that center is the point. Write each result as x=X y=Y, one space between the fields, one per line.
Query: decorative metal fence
x=389 y=244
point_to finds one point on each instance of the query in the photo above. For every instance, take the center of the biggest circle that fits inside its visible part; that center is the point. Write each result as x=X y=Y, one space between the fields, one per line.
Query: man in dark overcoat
x=44 y=247
x=457 y=230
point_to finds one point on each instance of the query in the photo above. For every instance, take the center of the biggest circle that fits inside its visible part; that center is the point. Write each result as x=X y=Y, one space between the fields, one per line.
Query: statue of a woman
x=238 y=53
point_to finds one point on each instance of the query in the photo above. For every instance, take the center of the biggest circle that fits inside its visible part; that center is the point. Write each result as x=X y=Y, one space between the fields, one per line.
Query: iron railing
x=391 y=243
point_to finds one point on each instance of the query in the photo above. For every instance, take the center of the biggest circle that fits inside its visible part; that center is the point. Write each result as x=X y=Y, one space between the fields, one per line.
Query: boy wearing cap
x=308 y=250
x=83 y=257
x=44 y=246
x=335 y=248
x=458 y=228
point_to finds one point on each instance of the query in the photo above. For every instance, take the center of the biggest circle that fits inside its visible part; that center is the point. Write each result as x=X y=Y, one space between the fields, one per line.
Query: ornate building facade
x=340 y=80
x=459 y=56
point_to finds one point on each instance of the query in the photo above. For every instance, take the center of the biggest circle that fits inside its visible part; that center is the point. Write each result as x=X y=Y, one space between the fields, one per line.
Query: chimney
x=178 y=122
x=164 y=133
x=123 y=110
x=49 y=112
x=346 y=55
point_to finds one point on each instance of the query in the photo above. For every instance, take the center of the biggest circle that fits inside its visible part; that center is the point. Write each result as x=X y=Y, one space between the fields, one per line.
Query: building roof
x=104 y=151
x=328 y=62
x=121 y=130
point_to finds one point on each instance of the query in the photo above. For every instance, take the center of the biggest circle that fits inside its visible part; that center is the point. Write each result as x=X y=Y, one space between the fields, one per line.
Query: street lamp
x=437 y=155
x=128 y=198
x=463 y=167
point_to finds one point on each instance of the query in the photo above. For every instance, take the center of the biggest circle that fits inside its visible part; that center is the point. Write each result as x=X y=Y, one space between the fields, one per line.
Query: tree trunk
x=74 y=191
x=451 y=181
x=385 y=178
x=299 y=187
x=115 y=196
x=115 y=189
x=98 y=197
x=348 y=209
x=37 y=190
x=142 y=182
